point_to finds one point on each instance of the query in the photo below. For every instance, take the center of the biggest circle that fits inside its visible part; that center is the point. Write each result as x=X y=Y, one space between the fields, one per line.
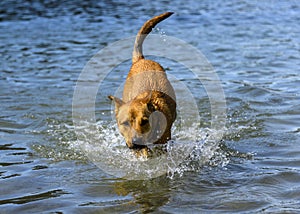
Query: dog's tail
x=144 y=31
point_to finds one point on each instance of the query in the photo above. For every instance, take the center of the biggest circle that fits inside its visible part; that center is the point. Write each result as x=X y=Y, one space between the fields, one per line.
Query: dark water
x=254 y=47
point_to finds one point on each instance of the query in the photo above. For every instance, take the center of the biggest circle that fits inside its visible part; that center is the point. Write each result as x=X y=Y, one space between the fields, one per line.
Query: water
x=254 y=48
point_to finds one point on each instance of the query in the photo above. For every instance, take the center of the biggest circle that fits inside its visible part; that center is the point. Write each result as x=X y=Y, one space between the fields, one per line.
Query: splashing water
x=189 y=150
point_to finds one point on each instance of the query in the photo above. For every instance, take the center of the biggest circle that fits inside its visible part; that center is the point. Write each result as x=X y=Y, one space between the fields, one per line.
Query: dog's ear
x=118 y=102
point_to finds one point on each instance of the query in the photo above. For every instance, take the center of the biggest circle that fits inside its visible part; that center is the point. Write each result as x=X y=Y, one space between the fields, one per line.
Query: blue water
x=254 y=47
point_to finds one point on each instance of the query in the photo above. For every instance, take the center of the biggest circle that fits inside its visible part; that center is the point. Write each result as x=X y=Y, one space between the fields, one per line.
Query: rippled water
x=254 y=47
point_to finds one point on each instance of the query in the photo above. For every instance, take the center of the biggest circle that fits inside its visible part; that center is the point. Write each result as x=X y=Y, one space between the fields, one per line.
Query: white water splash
x=189 y=150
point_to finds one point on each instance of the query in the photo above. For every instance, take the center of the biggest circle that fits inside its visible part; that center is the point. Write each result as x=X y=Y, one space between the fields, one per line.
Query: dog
x=147 y=110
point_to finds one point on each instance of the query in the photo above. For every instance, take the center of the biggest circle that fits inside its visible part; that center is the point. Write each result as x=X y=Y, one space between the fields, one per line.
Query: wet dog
x=147 y=110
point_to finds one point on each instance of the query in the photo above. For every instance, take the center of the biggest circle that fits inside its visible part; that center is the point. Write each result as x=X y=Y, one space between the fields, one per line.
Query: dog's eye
x=144 y=121
x=125 y=123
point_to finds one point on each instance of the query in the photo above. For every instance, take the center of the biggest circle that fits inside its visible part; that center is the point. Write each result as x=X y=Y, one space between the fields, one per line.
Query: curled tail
x=144 y=31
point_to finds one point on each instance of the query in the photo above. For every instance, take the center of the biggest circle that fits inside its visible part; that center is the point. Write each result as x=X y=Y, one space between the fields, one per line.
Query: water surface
x=254 y=48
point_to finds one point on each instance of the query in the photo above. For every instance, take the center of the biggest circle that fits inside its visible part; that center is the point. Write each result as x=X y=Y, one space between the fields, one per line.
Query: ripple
x=34 y=197
x=8 y=147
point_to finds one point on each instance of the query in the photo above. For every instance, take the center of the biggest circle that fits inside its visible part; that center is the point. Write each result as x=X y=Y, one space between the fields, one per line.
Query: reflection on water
x=254 y=47
x=149 y=194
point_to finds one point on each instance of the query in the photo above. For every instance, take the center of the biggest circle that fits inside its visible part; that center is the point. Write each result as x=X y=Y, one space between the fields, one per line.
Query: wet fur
x=148 y=99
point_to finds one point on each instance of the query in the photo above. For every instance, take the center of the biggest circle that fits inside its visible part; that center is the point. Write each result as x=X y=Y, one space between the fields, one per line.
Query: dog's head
x=138 y=120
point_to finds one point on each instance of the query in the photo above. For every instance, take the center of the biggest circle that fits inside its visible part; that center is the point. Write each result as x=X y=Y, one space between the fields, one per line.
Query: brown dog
x=148 y=109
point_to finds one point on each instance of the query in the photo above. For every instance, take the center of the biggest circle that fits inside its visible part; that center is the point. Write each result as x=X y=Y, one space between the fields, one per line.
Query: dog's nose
x=137 y=143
